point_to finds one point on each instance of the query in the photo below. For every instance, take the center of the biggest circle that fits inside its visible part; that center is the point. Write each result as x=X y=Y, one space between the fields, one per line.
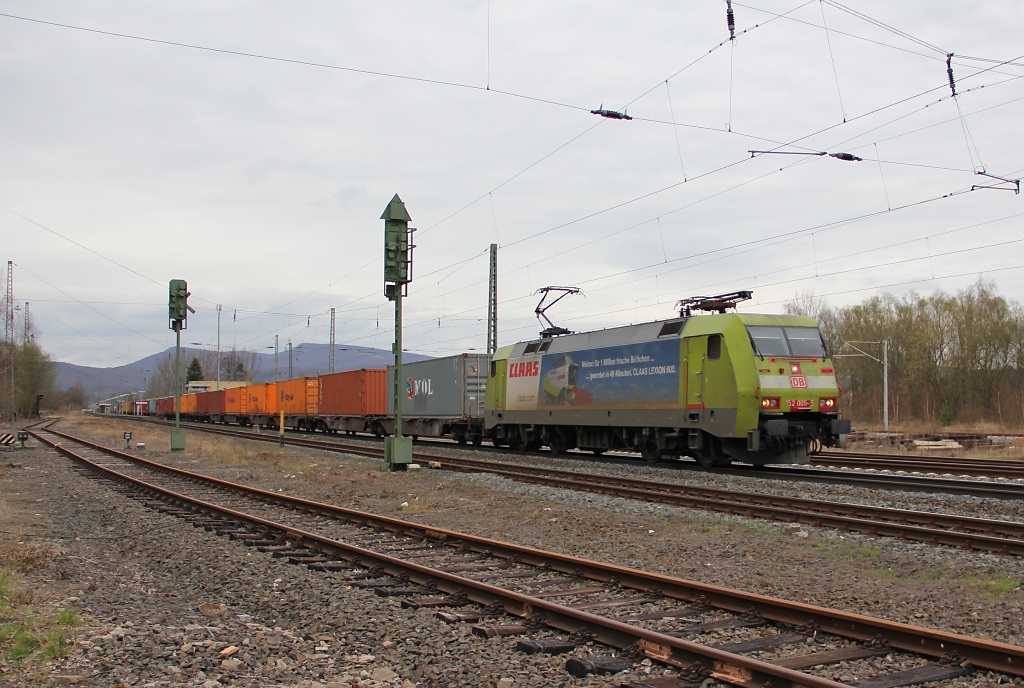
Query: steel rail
x=881 y=521
x=991 y=655
x=921 y=526
x=980 y=468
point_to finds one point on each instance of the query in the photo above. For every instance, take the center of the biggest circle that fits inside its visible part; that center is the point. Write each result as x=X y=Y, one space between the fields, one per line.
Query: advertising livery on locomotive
x=754 y=388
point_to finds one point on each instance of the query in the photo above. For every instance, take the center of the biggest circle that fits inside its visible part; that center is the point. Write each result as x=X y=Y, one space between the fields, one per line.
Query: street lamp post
x=885 y=373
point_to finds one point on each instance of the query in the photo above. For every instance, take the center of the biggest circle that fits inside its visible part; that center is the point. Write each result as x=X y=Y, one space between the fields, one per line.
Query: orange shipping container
x=188 y=403
x=215 y=401
x=234 y=400
x=298 y=397
x=354 y=393
x=261 y=400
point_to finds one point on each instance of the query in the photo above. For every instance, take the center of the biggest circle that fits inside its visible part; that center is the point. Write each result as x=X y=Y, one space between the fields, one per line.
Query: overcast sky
x=129 y=162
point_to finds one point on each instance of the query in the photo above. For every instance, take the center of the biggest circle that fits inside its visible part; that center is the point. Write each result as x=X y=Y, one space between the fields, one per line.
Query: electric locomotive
x=718 y=387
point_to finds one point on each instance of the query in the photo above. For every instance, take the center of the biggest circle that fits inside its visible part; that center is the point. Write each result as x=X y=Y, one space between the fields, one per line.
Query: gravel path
x=140 y=578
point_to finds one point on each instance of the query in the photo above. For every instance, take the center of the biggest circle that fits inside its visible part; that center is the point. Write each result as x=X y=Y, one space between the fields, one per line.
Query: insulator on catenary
x=730 y=19
x=949 y=71
x=849 y=157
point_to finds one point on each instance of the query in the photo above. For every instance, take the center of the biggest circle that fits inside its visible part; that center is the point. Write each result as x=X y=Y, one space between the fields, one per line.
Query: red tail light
x=771 y=403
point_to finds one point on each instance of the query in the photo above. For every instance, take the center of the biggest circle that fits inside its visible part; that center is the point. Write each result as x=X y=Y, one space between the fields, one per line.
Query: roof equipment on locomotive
x=709 y=304
x=552 y=330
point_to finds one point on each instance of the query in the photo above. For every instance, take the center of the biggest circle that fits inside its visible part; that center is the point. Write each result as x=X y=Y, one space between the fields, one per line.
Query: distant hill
x=308 y=360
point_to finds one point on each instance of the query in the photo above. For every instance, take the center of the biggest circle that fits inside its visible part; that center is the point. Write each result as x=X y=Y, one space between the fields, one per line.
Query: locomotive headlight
x=794 y=368
x=771 y=403
x=827 y=403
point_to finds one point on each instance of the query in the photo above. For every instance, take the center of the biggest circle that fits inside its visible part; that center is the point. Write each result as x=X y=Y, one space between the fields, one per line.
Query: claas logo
x=525 y=369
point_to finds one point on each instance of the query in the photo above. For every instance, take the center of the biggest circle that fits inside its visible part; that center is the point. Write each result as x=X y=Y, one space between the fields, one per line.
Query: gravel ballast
x=141 y=578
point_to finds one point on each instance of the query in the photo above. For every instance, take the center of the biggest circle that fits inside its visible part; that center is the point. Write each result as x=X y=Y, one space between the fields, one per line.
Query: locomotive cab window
x=714 y=347
x=545 y=345
x=806 y=342
x=531 y=348
x=802 y=342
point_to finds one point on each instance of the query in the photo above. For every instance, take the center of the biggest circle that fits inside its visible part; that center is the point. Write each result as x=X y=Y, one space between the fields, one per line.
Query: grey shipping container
x=451 y=387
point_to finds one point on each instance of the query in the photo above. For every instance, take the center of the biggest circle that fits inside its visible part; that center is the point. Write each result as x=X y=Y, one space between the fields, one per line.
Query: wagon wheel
x=650 y=451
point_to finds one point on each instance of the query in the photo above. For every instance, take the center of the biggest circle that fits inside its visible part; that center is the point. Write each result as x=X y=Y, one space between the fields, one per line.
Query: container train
x=719 y=387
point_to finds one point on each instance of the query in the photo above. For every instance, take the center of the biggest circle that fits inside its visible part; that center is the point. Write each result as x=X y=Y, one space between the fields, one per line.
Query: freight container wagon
x=165 y=407
x=235 y=405
x=141 y=408
x=352 y=401
x=152 y=407
x=215 y=405
x=299 y=400
x=260 y=405
x=202 y=406
x=442 y=397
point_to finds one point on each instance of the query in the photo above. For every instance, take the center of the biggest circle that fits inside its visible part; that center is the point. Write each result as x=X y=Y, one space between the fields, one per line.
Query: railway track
x=990 y=535
x=986 y=489
x=980 y=468
x=557 y=602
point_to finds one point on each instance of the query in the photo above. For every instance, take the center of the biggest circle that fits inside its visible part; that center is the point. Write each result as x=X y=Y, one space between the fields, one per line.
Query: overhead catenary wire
x=294 y=61
x=746 y=246
x=673 y=118
x=832 y=57
x=675 y=130
x=760 y=243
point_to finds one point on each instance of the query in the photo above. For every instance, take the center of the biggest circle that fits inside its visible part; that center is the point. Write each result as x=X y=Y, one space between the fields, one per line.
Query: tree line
x=952 y=357
x=235 y=365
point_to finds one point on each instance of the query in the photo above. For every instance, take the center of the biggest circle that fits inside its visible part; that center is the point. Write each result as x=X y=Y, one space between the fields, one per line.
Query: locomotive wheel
x=519 y=442
x=557 y=443
x=598 y=452
x=711 y=454
x=650 y=451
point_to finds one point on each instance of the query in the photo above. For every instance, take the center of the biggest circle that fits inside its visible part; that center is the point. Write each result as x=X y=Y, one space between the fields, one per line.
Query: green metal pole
x=177 y=434
x=398 y=364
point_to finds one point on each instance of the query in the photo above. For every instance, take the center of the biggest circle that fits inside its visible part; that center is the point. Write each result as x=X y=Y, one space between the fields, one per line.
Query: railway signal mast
x=397 y=275
x=177 y=314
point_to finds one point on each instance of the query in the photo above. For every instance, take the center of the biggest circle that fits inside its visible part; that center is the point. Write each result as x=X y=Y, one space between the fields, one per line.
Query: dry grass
x=107 y=428
x=24 y=556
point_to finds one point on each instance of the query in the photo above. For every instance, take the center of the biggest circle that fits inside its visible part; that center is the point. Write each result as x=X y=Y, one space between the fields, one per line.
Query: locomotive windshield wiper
x=753 y=345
